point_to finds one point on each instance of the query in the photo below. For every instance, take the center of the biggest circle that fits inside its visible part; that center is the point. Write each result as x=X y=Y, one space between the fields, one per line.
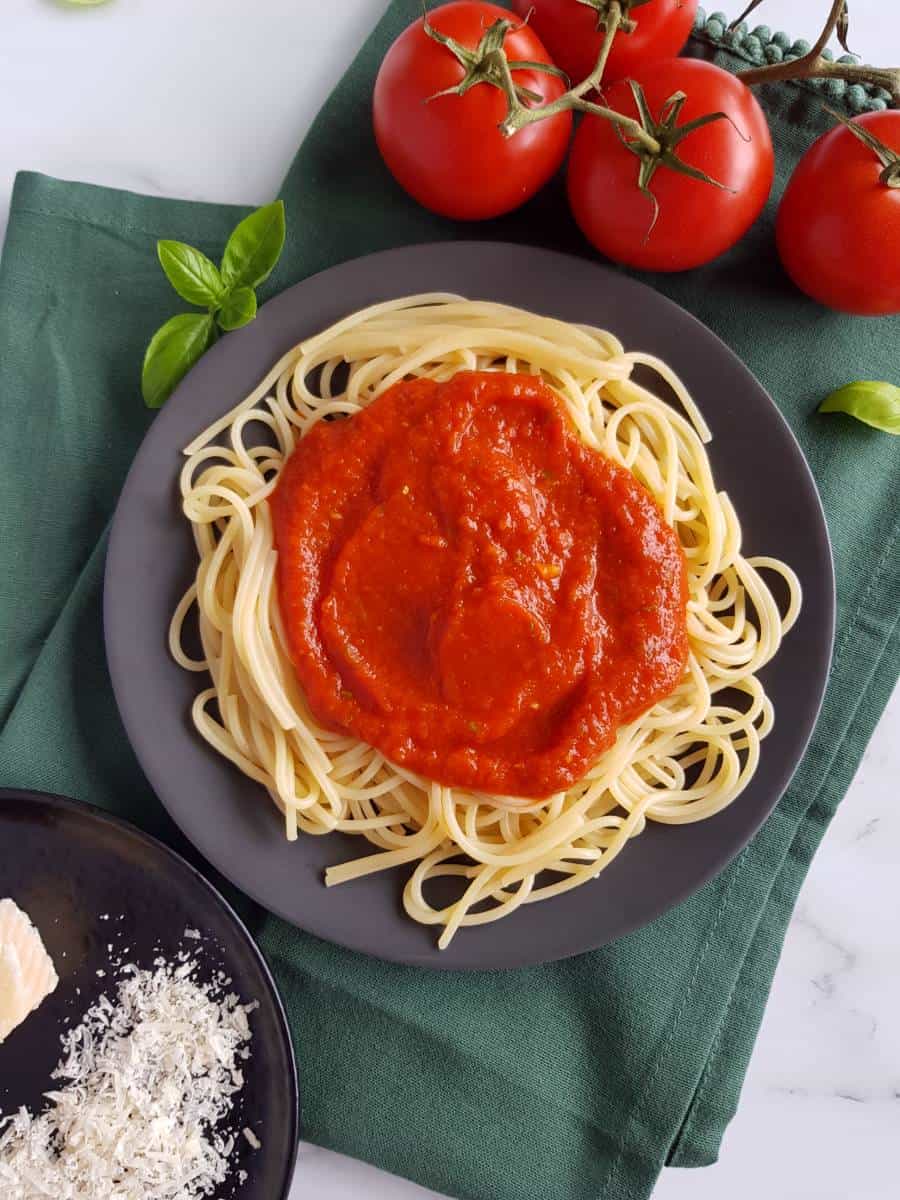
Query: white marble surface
x=208 y=101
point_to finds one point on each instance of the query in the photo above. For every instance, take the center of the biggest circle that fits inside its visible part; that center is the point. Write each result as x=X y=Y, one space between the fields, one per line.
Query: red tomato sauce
x=469 y=588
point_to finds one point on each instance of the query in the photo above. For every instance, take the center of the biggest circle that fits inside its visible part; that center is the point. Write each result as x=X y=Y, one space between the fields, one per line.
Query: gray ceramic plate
x=230 y=819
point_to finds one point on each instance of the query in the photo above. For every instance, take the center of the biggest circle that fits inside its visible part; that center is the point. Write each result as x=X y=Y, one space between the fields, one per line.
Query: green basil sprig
x=227 y=292
x=876 y=404
x=194 y=277
x=238 y=309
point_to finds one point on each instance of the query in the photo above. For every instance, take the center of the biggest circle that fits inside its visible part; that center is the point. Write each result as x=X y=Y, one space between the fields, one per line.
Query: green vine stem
x=602 y=7
x=519 y=115
x=813 y=64
x=889 y=158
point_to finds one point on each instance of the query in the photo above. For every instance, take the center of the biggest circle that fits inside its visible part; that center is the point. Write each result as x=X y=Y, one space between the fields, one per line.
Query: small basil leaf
x=238 y=308
x=193 y=276
x=254 y=246
x=173 y=350
x=876 y=404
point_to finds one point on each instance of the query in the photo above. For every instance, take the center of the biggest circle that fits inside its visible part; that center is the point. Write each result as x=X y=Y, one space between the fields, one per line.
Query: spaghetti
x=683 y=760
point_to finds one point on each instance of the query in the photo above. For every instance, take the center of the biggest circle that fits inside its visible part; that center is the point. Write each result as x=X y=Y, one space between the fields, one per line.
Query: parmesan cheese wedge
x=26 y=970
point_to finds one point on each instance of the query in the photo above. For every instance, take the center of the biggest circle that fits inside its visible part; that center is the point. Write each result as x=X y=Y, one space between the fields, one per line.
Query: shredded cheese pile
x=152 y=1075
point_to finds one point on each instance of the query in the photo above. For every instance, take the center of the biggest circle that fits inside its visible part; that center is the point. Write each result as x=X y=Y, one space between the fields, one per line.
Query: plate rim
x=56 y=800
x=436 y=960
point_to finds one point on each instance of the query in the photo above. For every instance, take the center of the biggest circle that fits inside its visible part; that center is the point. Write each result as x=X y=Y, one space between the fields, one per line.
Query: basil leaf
x=173 y=350
x=238 y=308
x=876 y=404
x=254 y=246
x=193 y=276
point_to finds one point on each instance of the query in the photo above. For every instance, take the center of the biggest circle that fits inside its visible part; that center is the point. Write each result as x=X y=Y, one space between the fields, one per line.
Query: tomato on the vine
x=572 y=32
x=838 y=225
x=692 y=221
x=447 y=150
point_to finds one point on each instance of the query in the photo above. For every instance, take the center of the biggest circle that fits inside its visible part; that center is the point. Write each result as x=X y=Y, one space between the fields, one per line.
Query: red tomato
x=696 y=221
x=838 y=226
x=568 y=28
x=448 y=153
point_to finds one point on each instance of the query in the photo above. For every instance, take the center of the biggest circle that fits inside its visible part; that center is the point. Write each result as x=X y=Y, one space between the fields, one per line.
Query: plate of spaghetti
x=471 y=607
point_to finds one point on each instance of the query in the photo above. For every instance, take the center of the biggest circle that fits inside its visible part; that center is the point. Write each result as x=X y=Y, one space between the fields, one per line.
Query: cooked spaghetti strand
x=684 y=760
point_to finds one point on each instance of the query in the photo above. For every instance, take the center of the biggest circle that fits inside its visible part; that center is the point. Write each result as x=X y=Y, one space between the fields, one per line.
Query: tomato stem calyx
x=602 y=9
x=888 y=157
x=483 y=63
x=667 y=134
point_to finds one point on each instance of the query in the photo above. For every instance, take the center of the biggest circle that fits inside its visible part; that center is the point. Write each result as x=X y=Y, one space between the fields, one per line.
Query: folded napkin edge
x=120 y=210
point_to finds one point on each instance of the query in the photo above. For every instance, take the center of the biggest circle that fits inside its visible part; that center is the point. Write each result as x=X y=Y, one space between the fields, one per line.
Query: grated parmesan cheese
x=151 y=1079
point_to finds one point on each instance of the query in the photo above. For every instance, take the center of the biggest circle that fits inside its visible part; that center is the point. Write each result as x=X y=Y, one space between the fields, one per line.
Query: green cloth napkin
x=570 y=1081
